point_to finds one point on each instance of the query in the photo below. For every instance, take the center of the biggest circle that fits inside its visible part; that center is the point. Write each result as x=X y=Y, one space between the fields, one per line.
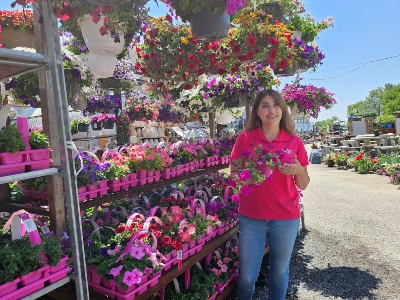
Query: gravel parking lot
x=350 y=248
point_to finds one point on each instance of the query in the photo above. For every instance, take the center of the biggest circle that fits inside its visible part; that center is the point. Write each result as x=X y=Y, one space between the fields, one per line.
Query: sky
x=363 y=32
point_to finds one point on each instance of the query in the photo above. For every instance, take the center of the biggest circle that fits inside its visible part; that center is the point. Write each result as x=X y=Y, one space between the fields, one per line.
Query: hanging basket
x=286 y=72
x=295 y=112
x=97 y=43
x=273 y=9
x=101 y=66
x=83 y=127
x=80 y=105
x=108 y=125
x=13 y=38
x=209 y=27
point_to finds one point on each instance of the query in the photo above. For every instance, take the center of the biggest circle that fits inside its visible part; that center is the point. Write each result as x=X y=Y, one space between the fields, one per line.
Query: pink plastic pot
x=33 y=276
x=39 y=165
x=129 y=290
x=7 y=170
x=9 y=287
x=96 y=278
x=111 y=284
x=8 y=158
x=92 y=187
x=39 y=154
x=133 y=183
x=82 y=189
x=59 y=275
x=133 y=176
x=150 y=173
x=61 y=265
x=103 y=192
x=142 y=174
x=103 y=184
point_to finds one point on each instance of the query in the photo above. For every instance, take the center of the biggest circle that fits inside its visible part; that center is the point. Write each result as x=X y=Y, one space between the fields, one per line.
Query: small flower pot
x=7 y=158
x=83 y=127
x=108 y=125
x=96 y=126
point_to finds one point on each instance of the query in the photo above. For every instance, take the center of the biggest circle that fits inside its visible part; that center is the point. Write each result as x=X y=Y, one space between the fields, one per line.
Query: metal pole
x=55 y=75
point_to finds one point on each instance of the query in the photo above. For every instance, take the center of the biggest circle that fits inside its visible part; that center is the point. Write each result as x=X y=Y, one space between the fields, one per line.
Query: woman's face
x=269 y=111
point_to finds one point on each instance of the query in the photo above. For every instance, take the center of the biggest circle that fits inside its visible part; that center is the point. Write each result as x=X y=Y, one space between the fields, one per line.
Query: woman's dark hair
x=286 y=122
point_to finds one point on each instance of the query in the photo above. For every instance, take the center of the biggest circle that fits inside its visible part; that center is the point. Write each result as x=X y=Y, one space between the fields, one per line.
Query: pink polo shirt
x=278 y=199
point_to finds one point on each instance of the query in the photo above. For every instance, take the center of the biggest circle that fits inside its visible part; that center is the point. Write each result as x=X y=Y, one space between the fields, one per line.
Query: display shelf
x=166 y=277
x=90 y=138
x=157 y=137
x=25 y=204
x=143 y=188
x=230 y=287
x=14 y=63
x=28 y=175
x=47 y=289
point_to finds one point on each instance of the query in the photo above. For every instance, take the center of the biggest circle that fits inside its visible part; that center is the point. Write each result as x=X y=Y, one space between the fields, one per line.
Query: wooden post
x=211 y=121
x=51 y=128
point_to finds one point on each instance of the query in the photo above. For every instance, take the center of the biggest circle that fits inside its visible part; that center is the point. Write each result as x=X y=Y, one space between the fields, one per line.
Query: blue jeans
x=253 y=235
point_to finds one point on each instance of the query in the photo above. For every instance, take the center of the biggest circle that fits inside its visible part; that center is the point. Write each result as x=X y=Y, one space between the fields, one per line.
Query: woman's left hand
x=291 y=169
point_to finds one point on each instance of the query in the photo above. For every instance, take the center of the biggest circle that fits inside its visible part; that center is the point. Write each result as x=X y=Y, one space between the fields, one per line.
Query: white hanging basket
x=97 y=43
x=225 y=117
x=294 y=111
x=101 y=66
x=296 y=34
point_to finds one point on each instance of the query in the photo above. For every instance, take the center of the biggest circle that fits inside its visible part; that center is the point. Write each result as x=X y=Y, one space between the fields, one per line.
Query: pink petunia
x=176 y=210
x=246 y=190
x=224 y=268
x=244 y=175
x=147 y=271
x=191 y=229
x=115 y=251
x=137 y=252
x=227 y=260
x=184 y=236
x=235 y=198
x=115 y=271
x=216 y=271
x=132 y=277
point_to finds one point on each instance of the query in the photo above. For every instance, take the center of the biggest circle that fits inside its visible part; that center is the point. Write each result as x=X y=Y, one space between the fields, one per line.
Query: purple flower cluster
x=100 y=104
x=168 y=114
x=307 y=56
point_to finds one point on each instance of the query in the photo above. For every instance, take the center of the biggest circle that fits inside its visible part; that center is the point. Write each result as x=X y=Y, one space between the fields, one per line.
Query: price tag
x=45 y=229
x=105 y=210
x=179 y=255
x=95 y=125
x=29 y=225
x=228 y=243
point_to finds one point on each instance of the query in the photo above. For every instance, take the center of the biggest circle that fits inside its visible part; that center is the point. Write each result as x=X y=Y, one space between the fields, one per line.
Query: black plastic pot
x=286 y=72
x=209 y=27
x=83 y=127
x=96 y=126
x=108 y=125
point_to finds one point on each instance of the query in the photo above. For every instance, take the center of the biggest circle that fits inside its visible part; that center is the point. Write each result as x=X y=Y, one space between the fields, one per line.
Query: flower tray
x=113 y=294
x=39 y=154
x=93 y=194
x=38 y=165
x=9 y=287
x=35 y=286
x=60 y=266
x=6 y=170
x=7 y=158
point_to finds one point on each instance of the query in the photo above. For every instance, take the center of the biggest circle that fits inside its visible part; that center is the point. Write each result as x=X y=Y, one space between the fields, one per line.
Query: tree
x=325 y=124
x=372 y=104
x=391 y=100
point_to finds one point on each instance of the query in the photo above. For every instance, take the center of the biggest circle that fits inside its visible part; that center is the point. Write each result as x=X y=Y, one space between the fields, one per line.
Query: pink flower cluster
x=233 y=5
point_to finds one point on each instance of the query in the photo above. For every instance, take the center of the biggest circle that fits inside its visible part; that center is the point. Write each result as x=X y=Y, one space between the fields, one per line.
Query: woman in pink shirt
x=272 y=212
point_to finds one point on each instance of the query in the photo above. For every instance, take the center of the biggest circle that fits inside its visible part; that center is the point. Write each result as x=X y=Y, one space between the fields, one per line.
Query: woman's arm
x=301 y=178
x=232 y=171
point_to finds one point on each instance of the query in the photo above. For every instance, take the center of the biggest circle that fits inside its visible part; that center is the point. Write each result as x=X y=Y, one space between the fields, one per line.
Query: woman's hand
x=291 y=169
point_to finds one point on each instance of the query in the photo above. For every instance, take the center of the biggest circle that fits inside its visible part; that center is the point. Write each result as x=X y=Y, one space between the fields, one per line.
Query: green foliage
x=82 y=120
x=306 y=25
x=391 y=100
x=74 y=126
x=38 y=140
x=115 y=171
x=10 y=139
x=15 y=190
x=324 y=124
x=385 y=119
x=37 y=184
x=52 y=249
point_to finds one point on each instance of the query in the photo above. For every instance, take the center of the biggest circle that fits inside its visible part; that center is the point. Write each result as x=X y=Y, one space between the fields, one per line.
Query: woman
x=272 y=212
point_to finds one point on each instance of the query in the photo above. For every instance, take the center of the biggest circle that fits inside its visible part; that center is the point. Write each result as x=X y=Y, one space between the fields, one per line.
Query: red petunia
x=250 y=54
x=166 y=226
x=236 y=48
x=283 y=64
x=275 y=41
x=168 y=18
x=221 y=71
x=201 y=71
x=191 y=67
x=374 y=160
x=194 y=41
x=153 y=56
x=359 y=156
x=191 y=57
x=187 y=86
x=251 y=40
x=234 y=69
x=180 y=61
x=120 y=229
x=166 y=240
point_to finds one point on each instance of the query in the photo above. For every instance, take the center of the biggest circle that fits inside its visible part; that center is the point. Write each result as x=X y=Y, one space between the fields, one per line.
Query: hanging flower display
x=100 y=103
x=123 y=129
x=306 y=56
x=185 y=9
x=170 y=54
x=254 y=38
x=140 y=108
x=308 y=98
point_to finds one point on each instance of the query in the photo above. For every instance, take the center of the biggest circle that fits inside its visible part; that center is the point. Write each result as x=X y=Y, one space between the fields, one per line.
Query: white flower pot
x=101 y=66
x=296 y=34
x=225 y=118
x=97 y=43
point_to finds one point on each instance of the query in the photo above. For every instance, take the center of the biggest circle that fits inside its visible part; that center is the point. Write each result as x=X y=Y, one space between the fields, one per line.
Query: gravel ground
x=350 y=248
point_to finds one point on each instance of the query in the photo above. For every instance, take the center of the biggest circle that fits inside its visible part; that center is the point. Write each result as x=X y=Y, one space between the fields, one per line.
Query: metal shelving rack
x=48 y=62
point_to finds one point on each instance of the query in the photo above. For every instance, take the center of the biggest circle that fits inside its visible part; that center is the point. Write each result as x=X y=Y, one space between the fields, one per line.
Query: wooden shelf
x=28 y=175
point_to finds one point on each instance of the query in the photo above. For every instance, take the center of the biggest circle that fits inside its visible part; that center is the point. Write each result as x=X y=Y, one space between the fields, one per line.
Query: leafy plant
x=74 y=126
x=52 y=249
x=10 y=139
x=385 y=119
x=37 y=184
x=305 y=23
x=116 y=171
x=38 y=140
x=82 y=120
